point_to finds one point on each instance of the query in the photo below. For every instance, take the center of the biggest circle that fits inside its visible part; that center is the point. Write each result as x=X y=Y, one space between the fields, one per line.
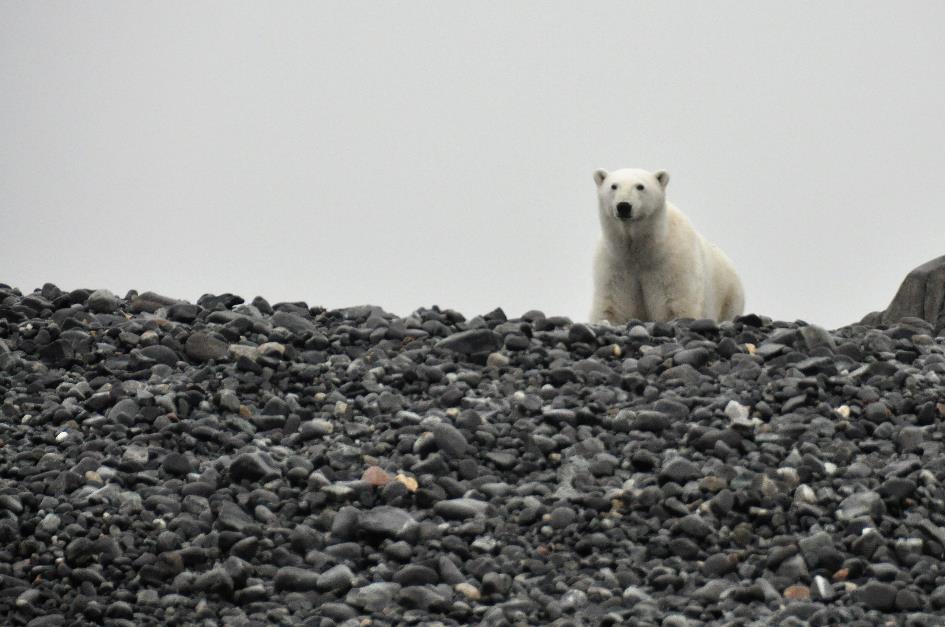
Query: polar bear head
x=630 y=195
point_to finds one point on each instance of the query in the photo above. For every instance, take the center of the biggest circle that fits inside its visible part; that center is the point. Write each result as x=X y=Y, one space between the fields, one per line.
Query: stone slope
x=164 y=463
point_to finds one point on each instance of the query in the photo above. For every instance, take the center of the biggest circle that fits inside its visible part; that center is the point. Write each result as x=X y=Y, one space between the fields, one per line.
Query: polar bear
x=651 y=264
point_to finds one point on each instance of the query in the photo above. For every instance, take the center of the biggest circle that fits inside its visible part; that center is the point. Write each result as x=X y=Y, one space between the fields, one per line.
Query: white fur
x=655 y=265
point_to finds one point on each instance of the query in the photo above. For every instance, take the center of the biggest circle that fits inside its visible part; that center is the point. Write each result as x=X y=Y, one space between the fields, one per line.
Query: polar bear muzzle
x=624 y=210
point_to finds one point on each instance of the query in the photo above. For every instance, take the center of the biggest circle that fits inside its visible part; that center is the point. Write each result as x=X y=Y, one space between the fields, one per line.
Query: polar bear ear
x=599 y=176
x=663 y=177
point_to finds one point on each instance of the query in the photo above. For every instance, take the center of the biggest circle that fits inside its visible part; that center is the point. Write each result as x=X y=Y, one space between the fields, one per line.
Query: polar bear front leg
x=602 y=309
x=734 y=304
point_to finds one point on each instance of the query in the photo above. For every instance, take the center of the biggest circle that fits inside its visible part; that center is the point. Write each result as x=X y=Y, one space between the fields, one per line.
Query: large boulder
x=921 y=295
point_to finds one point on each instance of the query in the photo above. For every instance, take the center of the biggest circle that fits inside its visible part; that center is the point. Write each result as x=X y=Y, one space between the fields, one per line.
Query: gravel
x=224 y=462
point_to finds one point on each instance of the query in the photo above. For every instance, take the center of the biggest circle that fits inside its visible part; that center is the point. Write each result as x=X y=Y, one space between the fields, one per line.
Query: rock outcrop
x=921 y=295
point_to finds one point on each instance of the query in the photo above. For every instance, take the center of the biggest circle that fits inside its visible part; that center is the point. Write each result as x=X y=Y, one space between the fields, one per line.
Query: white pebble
x=736 y=411
x=805 y=494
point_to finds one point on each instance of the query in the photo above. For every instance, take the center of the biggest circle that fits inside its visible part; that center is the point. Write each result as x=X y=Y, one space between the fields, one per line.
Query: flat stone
x=814 y=337
x=695 y=357
x=293 y=322
x=125 y=410
x=183 y=312
x=135 y=454
x=719 y=565
x=373 y=597
x=337 y=578
x=694 y=525
x=897 y=488
x=815 y=546
x=294 y=579
x=216 y=581
x=877 y=595
x=161 y=354
x=424 y=598
x=150 y=302
x=711 y=591
x=794 y=569
x=252 y=467
x=416 y=575
x=472 y=342
x=232 y=517
x=680 y=470
x=647 y=420
x=203 y=347
x=867 y=503
x=461 y=508
x=388 y=521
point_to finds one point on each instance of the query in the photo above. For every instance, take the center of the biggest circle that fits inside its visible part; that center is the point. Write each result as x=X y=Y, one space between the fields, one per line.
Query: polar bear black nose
x=624 y=210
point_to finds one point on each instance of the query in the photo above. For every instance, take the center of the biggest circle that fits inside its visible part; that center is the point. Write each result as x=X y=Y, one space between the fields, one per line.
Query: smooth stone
x=161 y=354
x=388 y=521
x=416 y=575
x=877 y=595
x=102 y=301
x=203 y=347
x=679 y=470
x=471 y=342
x=373 y=597
x=217 y=581
x=294 y=579
x=124 y=410
x=150 y=302
x=293 y=322
x=176 y=464
x=461 y=508
x=867 y=503
x=251 y=467
x=449 y=440
x=695 y=357
x=232 y=517
x=337 y=578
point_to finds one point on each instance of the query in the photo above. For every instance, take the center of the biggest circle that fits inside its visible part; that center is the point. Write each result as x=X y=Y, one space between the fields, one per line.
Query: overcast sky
x=407 y=154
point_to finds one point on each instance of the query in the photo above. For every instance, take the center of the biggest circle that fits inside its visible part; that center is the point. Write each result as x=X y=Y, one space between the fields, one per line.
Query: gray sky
x=416 y=153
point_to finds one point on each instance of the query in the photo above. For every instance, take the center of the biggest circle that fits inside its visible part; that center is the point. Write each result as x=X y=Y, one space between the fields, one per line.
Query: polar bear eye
x=614 y=186
x=640 y=186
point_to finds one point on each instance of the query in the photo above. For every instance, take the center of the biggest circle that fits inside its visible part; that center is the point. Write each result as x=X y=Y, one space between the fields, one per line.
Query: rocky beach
x=237 y=462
